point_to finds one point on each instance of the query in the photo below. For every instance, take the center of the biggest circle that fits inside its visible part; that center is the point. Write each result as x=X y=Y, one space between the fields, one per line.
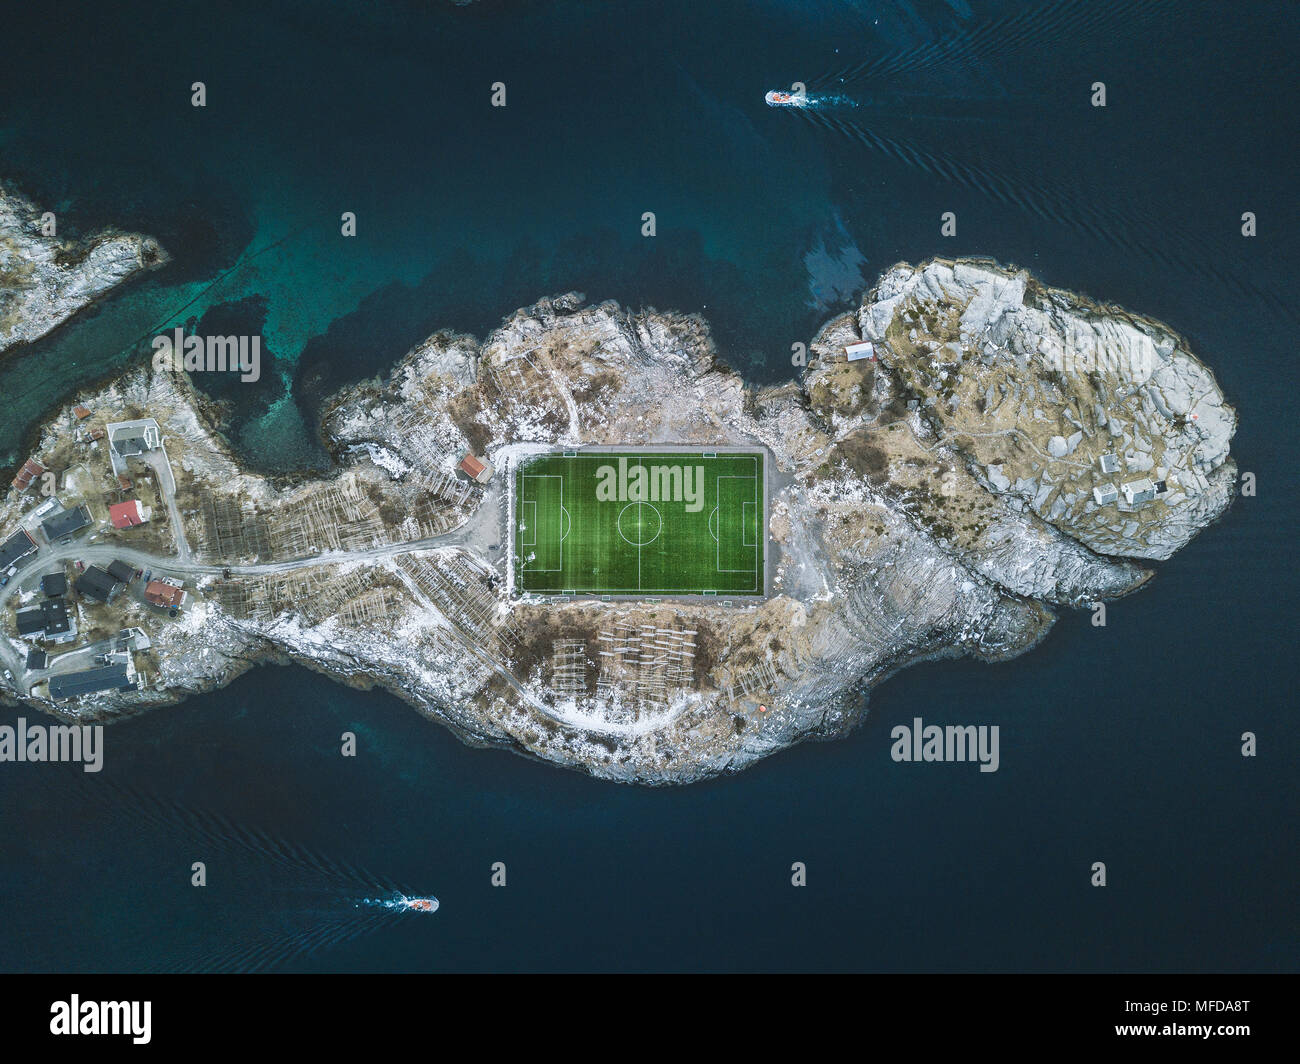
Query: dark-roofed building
x=121 y=572
x=112 y=677
x=15 y=548
x=37 y=659
x=96 y=584
x=131 y=439
x=54 y=585
x=66 y=523
x=50 y=619
x=129 y=446
x=58 y=622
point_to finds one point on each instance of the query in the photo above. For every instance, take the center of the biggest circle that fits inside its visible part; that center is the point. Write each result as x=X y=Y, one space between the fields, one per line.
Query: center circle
x=639 y=523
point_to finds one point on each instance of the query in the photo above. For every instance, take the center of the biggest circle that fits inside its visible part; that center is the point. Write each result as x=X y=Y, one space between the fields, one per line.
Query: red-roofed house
x=473 y=467
x=161 y=593
x=128 y=514
x=30 y=471
x=81 y=412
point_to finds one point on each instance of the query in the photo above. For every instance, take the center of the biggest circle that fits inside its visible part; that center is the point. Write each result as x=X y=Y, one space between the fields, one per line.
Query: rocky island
x=964 y=454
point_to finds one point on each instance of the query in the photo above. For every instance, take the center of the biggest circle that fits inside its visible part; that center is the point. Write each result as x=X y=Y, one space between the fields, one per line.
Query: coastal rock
x=1092 y=371
x=45 y=280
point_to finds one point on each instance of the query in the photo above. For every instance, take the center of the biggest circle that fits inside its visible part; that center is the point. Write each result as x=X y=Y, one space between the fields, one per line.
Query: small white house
x=1136 y=491
x=1109 y=463
x=862 y=350
x=1105 y=494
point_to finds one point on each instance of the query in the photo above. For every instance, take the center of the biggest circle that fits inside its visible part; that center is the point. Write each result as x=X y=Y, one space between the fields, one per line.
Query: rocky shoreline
x=45 y=280
x=940 y=496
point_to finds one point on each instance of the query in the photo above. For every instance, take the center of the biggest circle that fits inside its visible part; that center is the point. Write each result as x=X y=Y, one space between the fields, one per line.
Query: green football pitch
x=640 y=523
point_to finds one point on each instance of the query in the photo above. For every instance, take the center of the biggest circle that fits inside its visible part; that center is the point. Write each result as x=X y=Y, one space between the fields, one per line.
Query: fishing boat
x=404 y=903
x=417 y=905
x=775 y=98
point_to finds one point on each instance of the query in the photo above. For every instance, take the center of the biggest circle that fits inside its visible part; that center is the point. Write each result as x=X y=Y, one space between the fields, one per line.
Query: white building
x=131 y=439
x=1105 y=494
x=1136 y=491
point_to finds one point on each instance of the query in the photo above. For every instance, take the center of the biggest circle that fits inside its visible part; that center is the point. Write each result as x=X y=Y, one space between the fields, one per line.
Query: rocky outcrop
x=45 y=280
x=1054 y=399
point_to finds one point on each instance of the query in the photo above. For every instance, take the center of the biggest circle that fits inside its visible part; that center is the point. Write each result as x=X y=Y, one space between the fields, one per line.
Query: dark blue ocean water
x=1118 y=744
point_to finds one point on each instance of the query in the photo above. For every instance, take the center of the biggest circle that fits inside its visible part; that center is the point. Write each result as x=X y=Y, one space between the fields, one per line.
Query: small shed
x=475 y=468
x=860 y=350
x=1138 y=491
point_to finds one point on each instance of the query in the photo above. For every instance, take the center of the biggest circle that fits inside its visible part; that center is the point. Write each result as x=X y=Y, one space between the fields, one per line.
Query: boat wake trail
x=223 y=833
x=402 y=903
x=309 y=934
x=823 y=101
x=269 y=951
x=286 y=900
x=1138 y=234
x=808 y=101
x=1032 y=29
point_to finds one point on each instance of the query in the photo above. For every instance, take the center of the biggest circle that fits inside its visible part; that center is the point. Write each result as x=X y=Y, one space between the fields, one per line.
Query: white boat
x=775 y=98
x=417 y=905
x=403 y=903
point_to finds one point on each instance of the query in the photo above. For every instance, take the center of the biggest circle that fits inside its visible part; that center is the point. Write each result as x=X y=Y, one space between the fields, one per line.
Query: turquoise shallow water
x=1118 y=744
